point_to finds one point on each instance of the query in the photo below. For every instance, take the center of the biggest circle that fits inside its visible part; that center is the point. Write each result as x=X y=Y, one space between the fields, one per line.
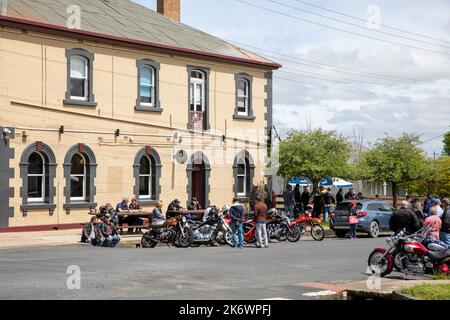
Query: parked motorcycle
x=173 y=231
x=411 y=254
x=306 y=220
x=212 y=229
x=281 y=227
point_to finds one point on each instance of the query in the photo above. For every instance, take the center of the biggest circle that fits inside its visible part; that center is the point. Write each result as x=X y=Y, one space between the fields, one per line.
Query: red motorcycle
x=410 y=254
x=306 y=220
x=248 y=227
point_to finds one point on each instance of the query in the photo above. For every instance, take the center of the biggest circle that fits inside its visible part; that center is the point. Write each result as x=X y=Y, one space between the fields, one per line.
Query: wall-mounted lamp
x=117 y=134
x=61 y=130
x=7 y=133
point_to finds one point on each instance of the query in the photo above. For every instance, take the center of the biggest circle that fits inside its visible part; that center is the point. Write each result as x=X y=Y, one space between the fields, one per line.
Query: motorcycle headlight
x=183 y=219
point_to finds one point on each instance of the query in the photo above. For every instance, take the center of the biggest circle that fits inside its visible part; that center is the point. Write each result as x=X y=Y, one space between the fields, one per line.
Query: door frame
x=199 y=158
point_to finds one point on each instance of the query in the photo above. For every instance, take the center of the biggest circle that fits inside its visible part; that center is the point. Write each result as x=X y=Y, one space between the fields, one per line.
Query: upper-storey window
x=79 y=78
x=198 y=98
x=243 y=109
x=148 y=89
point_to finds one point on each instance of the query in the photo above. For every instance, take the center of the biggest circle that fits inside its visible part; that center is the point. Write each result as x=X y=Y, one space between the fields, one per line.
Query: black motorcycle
x=173 y=231
x=212 y=229
x=280 y=227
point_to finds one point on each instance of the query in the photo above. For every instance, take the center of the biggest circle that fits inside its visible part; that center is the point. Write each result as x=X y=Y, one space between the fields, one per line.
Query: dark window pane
x=36 y=165
x=240 y=184
x=242 y=104
x=146 y=94
x=77 y=87
x=34 y=187
x=144 y=186
x=241 y=169
x=145 y=166
x=77 y=165
x=76 y=187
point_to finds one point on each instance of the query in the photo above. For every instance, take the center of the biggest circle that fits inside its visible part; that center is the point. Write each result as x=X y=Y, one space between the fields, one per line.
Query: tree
x=394 y=160
x=315 y=155
x=447 y=144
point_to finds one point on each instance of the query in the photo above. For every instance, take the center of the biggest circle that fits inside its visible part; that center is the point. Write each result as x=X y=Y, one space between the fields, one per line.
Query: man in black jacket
x=404 y=218
x=305 y=198
x=445 y=229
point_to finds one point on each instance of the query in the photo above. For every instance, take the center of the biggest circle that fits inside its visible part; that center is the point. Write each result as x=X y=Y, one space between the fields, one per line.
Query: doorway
x=198 y=183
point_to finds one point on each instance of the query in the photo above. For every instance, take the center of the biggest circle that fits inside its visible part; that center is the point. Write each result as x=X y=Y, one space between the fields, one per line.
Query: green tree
x=315 y=155
x=394 y=160
x=436 y=178
x=447 y=144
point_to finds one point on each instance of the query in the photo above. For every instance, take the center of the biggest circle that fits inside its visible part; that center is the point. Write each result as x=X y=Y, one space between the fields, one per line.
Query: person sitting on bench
x=109 y=232
x=122 y=208
x=174 y=206
x=158 y=218
x=92 y=233
x=134 y=221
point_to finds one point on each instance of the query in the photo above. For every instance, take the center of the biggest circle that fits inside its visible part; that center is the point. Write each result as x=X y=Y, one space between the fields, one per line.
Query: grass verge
x=429 y=291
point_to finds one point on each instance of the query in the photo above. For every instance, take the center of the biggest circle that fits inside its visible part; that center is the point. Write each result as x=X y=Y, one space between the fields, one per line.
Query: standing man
x=435 y=202
x=318 y=203
x=445 y=229
x=404 y=218
x=252 y=198
x=351 y=195
x=296 y=196
x=328 y=200
x=305 y=198
x=261 y=211
x=340 y=196
x=287 y=195
x=237 y=213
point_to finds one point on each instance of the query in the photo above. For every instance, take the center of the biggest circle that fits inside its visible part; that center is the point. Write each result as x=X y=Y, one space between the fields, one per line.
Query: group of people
x=321 y=202
x=413 y=215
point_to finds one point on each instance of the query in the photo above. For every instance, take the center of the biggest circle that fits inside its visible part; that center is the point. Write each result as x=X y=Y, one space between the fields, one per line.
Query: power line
x=355 y=25
x=276 y=55
x=363 y=20
x=432 y=139
x=339 y=29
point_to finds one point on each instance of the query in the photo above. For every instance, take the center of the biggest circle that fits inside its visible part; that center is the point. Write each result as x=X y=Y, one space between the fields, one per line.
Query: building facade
x=110 y=109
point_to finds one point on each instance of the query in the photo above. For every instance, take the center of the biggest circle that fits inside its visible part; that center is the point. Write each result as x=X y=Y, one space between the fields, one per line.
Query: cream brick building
x=108 y=99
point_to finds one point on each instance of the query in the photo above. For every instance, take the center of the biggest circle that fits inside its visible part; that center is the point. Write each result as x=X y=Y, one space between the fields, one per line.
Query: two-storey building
x=105 y=99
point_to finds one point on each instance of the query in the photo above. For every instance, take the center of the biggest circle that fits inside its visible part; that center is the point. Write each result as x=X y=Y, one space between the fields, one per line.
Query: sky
x=388 y=77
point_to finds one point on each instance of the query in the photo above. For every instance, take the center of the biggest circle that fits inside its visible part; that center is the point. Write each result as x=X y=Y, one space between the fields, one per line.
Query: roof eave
x=88 y=35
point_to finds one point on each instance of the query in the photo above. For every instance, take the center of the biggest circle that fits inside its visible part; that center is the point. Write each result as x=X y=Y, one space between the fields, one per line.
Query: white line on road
x=319 y=293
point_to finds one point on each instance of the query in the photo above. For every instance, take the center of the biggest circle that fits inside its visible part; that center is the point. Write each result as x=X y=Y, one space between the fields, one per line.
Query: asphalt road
x=280 y=271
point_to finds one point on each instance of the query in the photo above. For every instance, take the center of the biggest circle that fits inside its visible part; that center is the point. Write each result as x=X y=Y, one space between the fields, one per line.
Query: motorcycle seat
x=440 y=254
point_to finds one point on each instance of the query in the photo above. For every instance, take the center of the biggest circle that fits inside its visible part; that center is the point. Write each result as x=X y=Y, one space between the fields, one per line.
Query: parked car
x=374 y=218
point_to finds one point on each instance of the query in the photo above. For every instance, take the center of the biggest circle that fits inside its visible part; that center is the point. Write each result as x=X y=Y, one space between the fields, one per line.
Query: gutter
x=94 y=36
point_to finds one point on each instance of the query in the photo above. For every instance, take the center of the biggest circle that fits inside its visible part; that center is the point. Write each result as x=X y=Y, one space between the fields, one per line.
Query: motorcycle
x=411 y=254
x=175 y=231
x=212 y=229
x=281 y=227
x=305 y=220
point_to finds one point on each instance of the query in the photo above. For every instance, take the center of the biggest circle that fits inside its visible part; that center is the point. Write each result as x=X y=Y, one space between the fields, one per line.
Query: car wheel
x=374 y=229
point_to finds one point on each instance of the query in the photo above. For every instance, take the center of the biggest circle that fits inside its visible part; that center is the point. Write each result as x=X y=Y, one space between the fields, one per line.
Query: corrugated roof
x=126 y=20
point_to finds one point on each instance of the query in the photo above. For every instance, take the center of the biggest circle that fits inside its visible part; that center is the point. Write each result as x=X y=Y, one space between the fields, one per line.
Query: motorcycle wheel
x=147 y=242
x=186 y=240
x=293 y=234
x=227 y=238
x=396 y=257
x=379 y=265
x=281 y=234
x=317 y=232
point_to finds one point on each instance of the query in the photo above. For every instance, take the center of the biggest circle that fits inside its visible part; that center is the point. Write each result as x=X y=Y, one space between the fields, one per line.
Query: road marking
x=276 y=299
x=324 y=286
x=319 y=294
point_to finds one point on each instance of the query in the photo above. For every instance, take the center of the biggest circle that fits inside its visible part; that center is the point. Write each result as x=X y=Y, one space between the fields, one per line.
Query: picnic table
x=138 y=214
x=200 y=212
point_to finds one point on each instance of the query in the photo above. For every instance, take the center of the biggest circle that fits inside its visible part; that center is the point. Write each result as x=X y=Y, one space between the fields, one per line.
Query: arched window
x=79 y=78
x=243 y=97
x=147 y=86
x=80 y=169
x=147 y=172
x=36 y=178
x=243 y=171
x=197 y=91
x=78 y=178
x=37 y=171
x=146 y=177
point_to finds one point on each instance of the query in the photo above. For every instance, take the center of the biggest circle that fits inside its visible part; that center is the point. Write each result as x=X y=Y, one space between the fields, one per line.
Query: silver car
x=374 y=218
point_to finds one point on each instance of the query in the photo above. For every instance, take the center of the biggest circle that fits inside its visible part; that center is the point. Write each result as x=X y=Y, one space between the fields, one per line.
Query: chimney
x=169 y=8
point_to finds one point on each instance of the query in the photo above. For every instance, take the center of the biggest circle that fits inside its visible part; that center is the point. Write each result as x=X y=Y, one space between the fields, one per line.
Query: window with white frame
x=145 y=178
x=243 y=97
x=78 y=176
x=147 y=86
x=197 y=91
x=241 y=177
x=36 y=178
x=79 y=78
